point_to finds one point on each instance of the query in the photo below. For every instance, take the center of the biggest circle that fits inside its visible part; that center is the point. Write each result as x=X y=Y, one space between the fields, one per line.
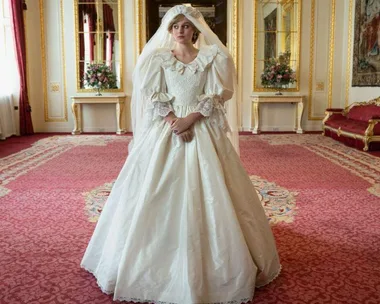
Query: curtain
x=87 y=14
x=17 y=19
x=7 y=124
x=109 y=28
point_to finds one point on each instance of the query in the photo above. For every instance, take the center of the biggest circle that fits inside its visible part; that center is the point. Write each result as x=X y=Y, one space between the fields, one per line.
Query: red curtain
x=109 y=28
x=17 y=7
x=89 y=9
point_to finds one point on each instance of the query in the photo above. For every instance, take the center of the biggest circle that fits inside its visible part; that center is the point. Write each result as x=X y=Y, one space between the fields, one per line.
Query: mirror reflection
x=277 y=34
x=98 y=37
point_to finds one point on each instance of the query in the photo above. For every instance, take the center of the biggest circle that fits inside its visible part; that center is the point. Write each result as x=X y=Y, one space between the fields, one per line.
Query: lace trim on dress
x=211 y=106
x=271 y=278
x=139 y=300
x=150 y=301
x=160 y=105
x=203 y=60
x=209 y=102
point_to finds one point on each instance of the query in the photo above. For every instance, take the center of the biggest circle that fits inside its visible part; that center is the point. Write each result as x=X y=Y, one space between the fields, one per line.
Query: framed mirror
x=99 y=35
x=214 y=12
x=277 y=35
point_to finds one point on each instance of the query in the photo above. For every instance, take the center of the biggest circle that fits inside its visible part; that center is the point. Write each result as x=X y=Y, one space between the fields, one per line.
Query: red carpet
x=329 y=247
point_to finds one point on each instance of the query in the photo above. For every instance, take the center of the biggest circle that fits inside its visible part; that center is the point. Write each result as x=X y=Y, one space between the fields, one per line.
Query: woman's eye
x=176 y=27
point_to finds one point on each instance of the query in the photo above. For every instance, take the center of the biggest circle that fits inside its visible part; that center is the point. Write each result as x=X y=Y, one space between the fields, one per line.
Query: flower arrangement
x=99 y=76
x=277 y=72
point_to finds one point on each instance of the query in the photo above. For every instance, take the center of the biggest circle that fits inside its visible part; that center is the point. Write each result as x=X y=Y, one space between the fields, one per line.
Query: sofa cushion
x=376 y=129
x=335 y=121
x=363 y=113
x=357 y=127
x=352 y=126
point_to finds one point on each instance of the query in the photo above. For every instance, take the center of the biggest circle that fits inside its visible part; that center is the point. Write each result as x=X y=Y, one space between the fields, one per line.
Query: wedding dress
x=183 y=223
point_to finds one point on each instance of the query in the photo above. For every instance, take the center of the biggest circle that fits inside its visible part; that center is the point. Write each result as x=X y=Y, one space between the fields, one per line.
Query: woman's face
x=183 y=31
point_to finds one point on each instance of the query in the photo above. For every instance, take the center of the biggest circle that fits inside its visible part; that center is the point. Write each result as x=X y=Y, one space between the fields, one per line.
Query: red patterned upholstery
x=349 y=126
x=364 y=113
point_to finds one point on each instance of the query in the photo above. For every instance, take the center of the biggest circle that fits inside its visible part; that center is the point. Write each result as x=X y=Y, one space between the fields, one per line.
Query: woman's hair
x=178 y=18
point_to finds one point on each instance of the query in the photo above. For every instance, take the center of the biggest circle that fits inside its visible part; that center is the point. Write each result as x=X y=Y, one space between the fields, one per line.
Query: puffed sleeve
x=154 y=91
x=219 y=86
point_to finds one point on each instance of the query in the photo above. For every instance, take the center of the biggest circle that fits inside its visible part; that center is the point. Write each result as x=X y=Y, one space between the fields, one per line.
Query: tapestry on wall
x=366 y=56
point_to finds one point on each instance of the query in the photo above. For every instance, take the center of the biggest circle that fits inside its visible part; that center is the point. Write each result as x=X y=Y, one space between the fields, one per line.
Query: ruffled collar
x=204 y=58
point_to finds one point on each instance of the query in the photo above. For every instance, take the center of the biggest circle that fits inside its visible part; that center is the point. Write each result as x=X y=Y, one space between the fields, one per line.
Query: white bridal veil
x=163 y=39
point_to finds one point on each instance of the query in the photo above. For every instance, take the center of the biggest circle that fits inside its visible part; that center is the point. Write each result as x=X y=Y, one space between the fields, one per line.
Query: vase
x=278 y=91
x=279 y=87
x=98 y=92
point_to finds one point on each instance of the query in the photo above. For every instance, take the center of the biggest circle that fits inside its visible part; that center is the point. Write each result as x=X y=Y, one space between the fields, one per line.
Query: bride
x=183 y=223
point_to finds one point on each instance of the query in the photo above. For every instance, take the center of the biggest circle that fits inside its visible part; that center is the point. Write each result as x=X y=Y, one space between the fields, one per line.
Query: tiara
x=188 y=10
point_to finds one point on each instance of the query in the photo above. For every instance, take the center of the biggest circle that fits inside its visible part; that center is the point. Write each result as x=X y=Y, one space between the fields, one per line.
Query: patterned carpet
x=322 y=199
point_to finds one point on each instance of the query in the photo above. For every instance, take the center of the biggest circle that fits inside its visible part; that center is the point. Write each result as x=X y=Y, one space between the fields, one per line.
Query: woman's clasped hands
x=181 y=126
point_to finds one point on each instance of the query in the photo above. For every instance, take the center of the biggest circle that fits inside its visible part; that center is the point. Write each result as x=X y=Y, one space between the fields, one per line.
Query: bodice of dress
x=185 y=83
x=202 y=85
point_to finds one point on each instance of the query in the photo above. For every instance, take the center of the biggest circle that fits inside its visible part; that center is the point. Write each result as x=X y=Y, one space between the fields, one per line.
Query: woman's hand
x=170 y=118
x=187 y=136
x=181 y=124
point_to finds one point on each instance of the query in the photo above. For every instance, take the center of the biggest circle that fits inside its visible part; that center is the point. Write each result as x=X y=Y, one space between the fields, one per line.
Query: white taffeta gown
x=183 y=223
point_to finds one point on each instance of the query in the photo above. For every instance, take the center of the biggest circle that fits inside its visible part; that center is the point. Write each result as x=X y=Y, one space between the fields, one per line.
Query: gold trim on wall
x=43 y=60
x=299 y=31
x=349 y=53
x=26 y=61
x=44 y=69
x=140 y=16
x=235 y=33
x=331 y=54
x=121 y=46
x=63 y=61
x=311 y=61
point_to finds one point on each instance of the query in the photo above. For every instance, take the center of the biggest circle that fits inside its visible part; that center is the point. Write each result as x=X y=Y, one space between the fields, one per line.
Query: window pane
x=6 y=12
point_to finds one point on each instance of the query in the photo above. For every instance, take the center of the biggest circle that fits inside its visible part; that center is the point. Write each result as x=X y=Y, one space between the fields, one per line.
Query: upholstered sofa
x=357 y=125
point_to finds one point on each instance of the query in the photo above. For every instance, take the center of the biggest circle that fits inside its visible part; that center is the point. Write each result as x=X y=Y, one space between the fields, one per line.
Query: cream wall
x=326 y=54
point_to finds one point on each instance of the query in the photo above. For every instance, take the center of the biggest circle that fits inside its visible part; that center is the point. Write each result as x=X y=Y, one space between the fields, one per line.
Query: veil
x=163 y=39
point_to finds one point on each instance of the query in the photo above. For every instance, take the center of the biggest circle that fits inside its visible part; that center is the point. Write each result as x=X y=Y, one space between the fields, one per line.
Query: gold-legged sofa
x=357 y=125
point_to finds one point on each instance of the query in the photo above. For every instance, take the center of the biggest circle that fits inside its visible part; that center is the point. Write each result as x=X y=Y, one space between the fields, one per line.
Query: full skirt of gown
x=183 y=223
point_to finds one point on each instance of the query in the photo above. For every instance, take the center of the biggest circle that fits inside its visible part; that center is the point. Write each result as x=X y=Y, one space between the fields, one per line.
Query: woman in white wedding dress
x=183 y=223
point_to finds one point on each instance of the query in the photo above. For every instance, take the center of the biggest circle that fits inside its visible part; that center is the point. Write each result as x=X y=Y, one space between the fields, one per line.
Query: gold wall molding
x=140 y=16
x=349 y=53
x=331 y=54
x=63 y=59
x=320 y=86
x=120 y=15
x=44 y=65
x=235 y=33
x=299 y=31
x=311 y=61
x=26 y=58
x=43 y=60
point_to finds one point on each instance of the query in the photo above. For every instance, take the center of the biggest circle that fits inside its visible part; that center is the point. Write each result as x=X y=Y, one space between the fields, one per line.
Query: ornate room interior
x=316 y=35
x=306 y=141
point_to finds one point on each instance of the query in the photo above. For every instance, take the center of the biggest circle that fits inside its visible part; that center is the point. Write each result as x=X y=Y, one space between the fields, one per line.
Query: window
x=8 y=73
